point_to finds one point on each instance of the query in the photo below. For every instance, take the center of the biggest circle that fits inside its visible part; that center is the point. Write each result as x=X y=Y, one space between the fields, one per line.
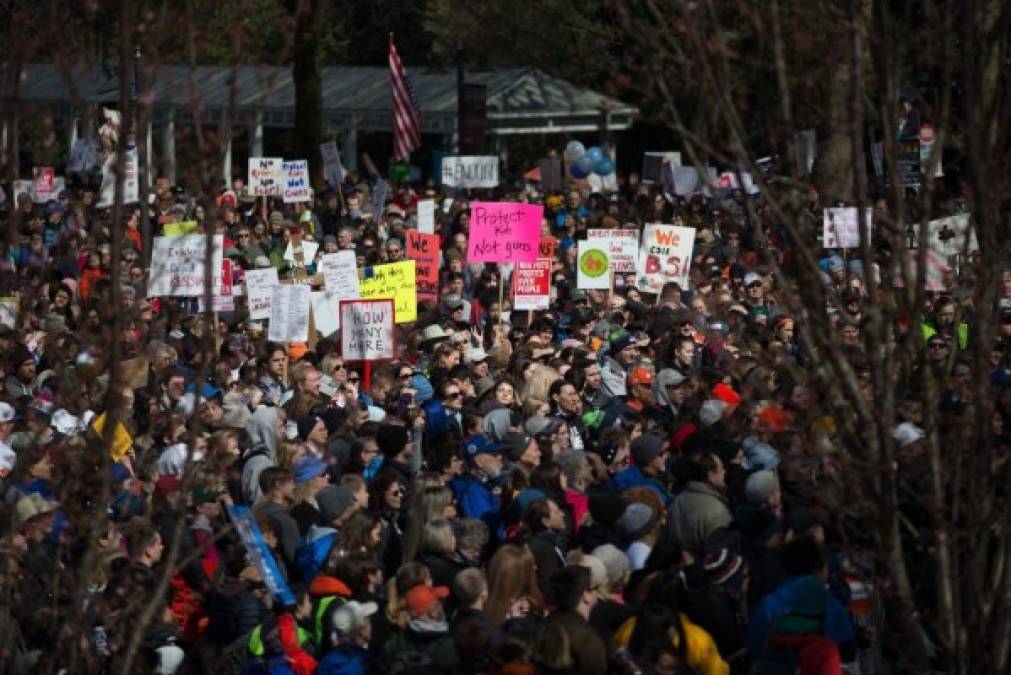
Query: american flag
x=406 y=115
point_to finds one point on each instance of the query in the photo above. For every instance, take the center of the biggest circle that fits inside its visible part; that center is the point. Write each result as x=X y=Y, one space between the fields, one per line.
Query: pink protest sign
x=504 y=232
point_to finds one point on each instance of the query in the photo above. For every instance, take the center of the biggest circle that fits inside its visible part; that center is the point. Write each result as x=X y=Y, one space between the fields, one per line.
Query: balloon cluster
x=585 y=161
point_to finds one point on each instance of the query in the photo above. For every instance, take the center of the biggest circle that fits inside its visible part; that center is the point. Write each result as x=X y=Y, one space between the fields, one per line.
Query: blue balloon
x=576 y=171
x=575 y=150
x=595 y=153
x=586 y=164
x=604 y=167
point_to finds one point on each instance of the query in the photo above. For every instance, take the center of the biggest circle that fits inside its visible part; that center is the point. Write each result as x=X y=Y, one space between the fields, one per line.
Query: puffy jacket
x=346 y=660
x=233 y=612
x=475 y=499
x=700 y=649
x=697 y=512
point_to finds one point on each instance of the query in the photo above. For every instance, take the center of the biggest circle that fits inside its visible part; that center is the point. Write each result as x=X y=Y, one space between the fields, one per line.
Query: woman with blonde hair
x=408 y=576
x=512 y=583
x=538 y=382
x=437 y=552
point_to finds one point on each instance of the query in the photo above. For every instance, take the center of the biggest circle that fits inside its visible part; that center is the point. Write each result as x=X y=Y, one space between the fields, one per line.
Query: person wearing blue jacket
x=474 y=491
x=804 y=595
x=649 y=457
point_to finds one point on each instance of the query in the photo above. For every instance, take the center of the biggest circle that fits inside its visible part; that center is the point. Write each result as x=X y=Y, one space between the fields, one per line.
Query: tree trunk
x=308 y=131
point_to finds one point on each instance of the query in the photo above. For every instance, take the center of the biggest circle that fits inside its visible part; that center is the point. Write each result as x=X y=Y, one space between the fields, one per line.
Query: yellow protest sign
x=181 y=228
x=393 y=280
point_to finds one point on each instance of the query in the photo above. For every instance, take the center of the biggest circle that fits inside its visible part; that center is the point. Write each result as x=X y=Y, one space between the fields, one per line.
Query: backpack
x=797 y=644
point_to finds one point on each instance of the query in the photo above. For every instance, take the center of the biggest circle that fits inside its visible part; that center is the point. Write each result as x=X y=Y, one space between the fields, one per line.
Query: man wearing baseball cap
x=474 y=491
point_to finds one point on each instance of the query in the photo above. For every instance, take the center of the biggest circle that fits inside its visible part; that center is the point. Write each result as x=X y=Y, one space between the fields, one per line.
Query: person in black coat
x=545 y=521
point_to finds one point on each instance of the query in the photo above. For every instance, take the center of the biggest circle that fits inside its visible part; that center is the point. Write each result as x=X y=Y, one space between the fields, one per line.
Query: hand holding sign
x=504 y=232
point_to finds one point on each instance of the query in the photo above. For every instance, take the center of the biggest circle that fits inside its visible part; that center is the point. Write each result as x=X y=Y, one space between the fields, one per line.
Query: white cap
x=907 y=433
x=7 y=413
x=351 y=616
x=65 y=423
x=476 y=355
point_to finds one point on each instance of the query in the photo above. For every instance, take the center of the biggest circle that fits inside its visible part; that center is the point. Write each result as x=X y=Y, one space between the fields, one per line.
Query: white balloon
x=575 y=150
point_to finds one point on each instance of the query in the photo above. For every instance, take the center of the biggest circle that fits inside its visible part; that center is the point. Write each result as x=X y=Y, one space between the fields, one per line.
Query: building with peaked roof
x=355 y=98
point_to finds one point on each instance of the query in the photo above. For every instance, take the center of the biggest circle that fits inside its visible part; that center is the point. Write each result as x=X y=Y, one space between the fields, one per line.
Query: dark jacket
x=549 y=559
x=232 y=612
x=443 y=569
x=588 y=650
x=287 y=531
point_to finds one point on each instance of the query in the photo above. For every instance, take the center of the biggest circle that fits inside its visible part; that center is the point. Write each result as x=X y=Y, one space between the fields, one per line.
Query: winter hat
x=726 y=394
x=720 y=566
x=759 y=455
x=606 y=507
x=333 y=501
x=19 y=356
x=646 y=448
x=598 y=572
x=308 y=468
x=760 y=486
x=711 y=412
x=615 y=561
x=621 y=342
x=306 y=425
x=350 y=617
x=539 y=424
x=391 y=439
x=637 y=520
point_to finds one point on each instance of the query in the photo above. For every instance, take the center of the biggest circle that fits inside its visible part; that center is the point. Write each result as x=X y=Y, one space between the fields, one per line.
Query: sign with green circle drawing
x=593 y=266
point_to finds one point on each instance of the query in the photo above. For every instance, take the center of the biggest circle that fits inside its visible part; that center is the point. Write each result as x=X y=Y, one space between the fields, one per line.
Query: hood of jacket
x=262 y=429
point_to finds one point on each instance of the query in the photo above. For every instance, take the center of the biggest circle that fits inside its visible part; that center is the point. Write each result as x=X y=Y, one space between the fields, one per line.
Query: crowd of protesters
x=622 y=483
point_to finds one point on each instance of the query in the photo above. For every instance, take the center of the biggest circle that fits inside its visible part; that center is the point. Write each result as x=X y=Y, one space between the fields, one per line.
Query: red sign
x=424 y=249
x=43 y=183
x=531 y=285
x=926 y=134
x=548 y=248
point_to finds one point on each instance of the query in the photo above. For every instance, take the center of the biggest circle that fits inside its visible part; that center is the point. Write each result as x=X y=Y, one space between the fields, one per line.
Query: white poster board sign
x=340 y=274
x=296 y=181
x=131 y=186
x=368 y=330
x=622 y=248
x=664 y=256
x=333 y=171
x=841 y=227
x=266 y=176
x=593 y=265
x=259 y=292
x=289 y=313
x=324 y=312
x=177 y=265
x=426 y=216
x=470 y=171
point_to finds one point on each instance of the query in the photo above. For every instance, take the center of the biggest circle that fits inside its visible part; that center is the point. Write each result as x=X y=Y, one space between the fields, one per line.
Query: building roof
x=519 y=100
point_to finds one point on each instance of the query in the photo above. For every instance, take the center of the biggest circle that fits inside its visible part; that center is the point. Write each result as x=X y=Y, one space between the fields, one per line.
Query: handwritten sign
x=340 y=274
x=424 y=249
x=470 y=171
x=622 y=248
x=324 y=312
x=296 y=181
x=260 y=291
x=307 y=250
x=548 y=248
x=841 y=227
x=504 y=232
x=368 y=333
x=178 y=263
x=593 y=265
x=665 y=255
x=289 y=313
x=266 y=176
x=531 y=285
x=333 y=171
x=222 y=300
x=426 y=216
x=396 y=281
x=378 y=203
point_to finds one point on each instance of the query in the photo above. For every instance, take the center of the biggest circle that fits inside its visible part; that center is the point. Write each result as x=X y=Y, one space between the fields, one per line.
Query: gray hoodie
x=262 y=430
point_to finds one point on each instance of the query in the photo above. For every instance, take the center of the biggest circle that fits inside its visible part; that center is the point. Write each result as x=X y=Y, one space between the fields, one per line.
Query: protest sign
x=927 y=139
x=424 y=249
x=470 y=171
x=222 y=300
x=593 y=265
x=655 y=163
x=396 y=281
x=426 y=216
x=622 y=248
x=504 y=232
x=259 y=292
x=308 y=250
x=548 y=248
x=28 y=187
x=687 y=181
x=289 y=313
x=44 y=183
x=665 y=255
x=245 y=524
x=84 y=156
x=181 y=228
x=368 y=333
x=531 y=285
x=333 y=171
x=177 y=265
x=841 y=227
x=949 y=241
x=131 y=187
x=296 y=181
x=340 y=274
x=324 y=312
x=9 y=311
x=266 y=175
